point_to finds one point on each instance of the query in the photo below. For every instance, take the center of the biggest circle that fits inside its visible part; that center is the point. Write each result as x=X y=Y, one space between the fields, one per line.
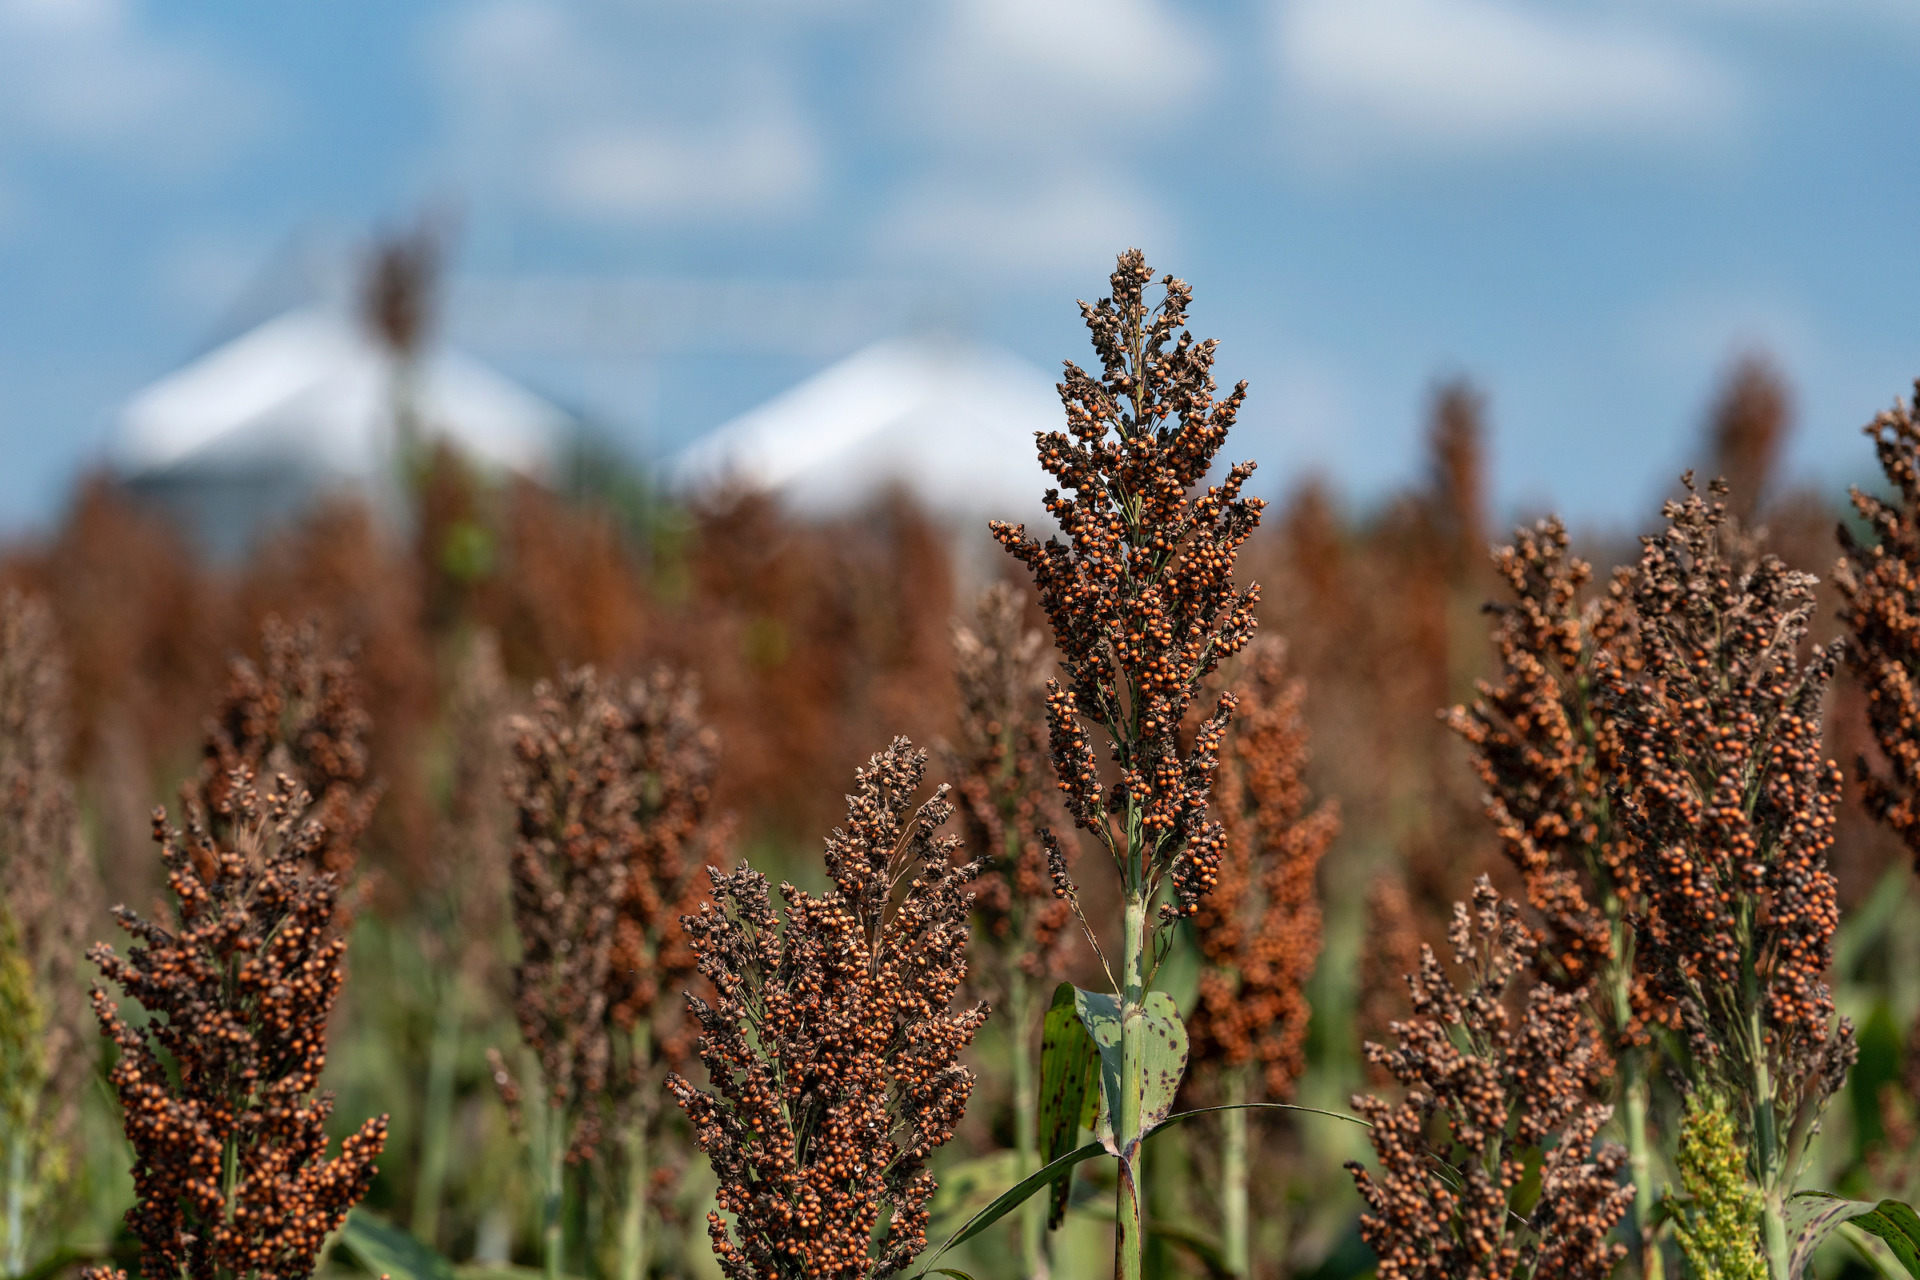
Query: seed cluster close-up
x=216 y=1084
x=1439 y=1208
x=1730 y=803
x=1880 y=585
x=296 y=712
x=1141 y=596
x=831 y=1046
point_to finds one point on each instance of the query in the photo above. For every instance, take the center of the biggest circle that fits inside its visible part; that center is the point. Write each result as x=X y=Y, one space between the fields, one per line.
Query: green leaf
x=1017 y=1194
x=1069 y=1098
x=1891 y=1220
x=1162 y=1041
x=954 y=1272
x=386 y=1250
x=1164 y=1060
x=1100 y=1015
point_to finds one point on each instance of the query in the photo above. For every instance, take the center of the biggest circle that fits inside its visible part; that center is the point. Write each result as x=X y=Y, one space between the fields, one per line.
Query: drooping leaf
x=385 y=1250
x=1163 y=1061
x=1017 y=1194
x=1100 y=1015
x=1162 y=1048
x=1891 y=1220
x=1069 y=1093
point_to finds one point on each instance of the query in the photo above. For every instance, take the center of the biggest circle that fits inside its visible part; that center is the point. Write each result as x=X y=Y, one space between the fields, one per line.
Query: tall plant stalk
x=436 y=1123
x=1259 y=930
x=1005 y=793
x=470 y=883
x=1729 y=802
x=1143 y=608
x=636 y=1175
x=1236 y=1243
x=1026 y=1120
x=1548 y=758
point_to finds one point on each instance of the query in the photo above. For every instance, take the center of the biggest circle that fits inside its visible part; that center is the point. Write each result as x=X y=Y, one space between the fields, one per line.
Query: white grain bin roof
x=311 y=390
x=950 y=421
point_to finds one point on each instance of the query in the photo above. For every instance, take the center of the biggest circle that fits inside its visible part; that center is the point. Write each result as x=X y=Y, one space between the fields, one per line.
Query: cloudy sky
x=1588 y=206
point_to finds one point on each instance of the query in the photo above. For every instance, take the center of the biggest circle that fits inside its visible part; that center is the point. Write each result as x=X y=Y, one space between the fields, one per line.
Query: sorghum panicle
x=1140 y=596
x=1439 y=1209
x=1547 y=758
x=674 y=756
x=570 y=785
x=298 y=713
x=1259 y=930
x=1005 y=793
x=1729 y=799
x=831 y=1046
x=229 y=1143
x=51 y=890
x=1880 y=589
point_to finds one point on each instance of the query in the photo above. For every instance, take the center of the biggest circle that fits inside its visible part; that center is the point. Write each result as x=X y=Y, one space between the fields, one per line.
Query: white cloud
x=1026 y=69
x=85 y=77
x=1008 y=225
x=568 y=107
x=1465 y=76
x=649 y=170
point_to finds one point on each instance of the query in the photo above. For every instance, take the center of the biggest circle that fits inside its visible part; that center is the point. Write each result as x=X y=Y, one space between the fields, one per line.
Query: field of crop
x=679 y=887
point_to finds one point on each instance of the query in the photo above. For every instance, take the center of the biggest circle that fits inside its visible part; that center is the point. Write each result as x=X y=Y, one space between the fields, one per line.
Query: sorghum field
x=580 y=882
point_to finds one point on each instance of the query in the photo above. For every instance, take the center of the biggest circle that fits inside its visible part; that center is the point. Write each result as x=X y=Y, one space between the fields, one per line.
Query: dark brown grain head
x=216 y=1084
x=1879 y=582
x=1259 y=930
x=297 y=711
x=1547 y=758
x=1729 y=800
x=1140 y=595
x=1006 y=795
x=831 y=1045
x=1481 y=1088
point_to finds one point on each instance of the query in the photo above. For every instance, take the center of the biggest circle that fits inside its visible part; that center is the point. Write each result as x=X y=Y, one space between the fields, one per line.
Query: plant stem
x=1766 y=1141
x=1026 y=1121
x=1233 y=1175
x=436 y=1124
x=1634 y=1096
x=1129 y=1239
x=1640 y=1161
x=633 y=1214
x=16 y=1260
x=552 y=1228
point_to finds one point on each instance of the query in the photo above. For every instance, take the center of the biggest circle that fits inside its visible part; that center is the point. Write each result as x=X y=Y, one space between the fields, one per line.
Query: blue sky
x=1588 y=207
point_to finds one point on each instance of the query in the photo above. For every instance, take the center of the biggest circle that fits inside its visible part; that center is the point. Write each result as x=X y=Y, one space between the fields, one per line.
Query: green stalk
x=1640 y=1162
x=552 y=1228
x=633 y=1214
x=1026 y=1123
x=1129 y=1238
x=1766 y=1142
x=1233 y=1175
x=1635 y=1100
x=436 y=1125
x=16 y=1262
